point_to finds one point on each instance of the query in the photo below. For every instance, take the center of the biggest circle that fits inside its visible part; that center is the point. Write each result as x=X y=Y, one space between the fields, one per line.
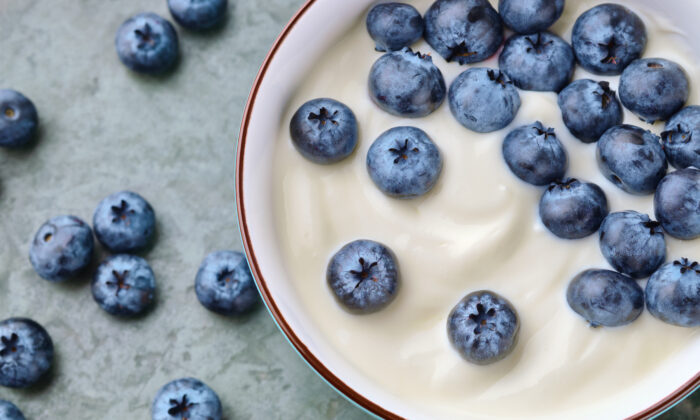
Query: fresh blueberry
x=673 y=293
x=530 y=16
x=605 y=298
x=18 y=119
x=653 y=88
x=406 y=84
x=632 y=243
x=363 y=276
x=484 y=100
x=465 y=31
x=631 y=158
x=147 y=43
x=607 y=38
x=535 y=154
x=26 y=352
x=124 y=285
x=9 y=411
x=224 y=283
x=483 y=327
x=186 y=398
x=589 y=108
x=540 y=62
x=404 y=163
x=324 y=131
x=573 y=209
x=198 y=15
x=681 y=140
x=677 y=203
x=124 y=222
x=62 y=248
x=394 y=26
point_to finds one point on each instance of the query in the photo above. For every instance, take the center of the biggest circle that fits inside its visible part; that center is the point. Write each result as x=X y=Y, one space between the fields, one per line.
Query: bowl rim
x=351 y=394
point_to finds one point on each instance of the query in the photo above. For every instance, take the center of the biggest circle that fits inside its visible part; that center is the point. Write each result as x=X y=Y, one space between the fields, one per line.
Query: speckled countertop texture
x=172 y=139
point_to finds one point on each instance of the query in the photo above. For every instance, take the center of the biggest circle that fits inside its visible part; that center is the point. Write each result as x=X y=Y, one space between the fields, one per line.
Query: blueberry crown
x=610 y=49
x=685 y=265
x=537 y=44
x=9 y=344
x=566 y=184
x=180 y=407
x=606 y=96
x=499 y=77
x=323 y=117
x=679 y=131
x=401 y=150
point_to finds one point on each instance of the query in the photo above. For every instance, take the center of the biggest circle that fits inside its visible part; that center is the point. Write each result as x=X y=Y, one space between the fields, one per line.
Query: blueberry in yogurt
x=465 y=31
x=681 y=140
x=483 y=100
x=540 y=62
x=147 y=43
x=530 y=16
x=589 y=108
x=18 y=119
x=673 y=293
x=124 y=285
x=225 y=285
x=9 y=411
x=124 y=222
x=394 y=26
x=404 y=163
x=572 y=209
x=535 y=154
x=677 y=203
x=186 y=398
x=324 y=131
x=198 y=15
x=406 y=84
x=62 y=248
x=605 y=298
x=26 y=352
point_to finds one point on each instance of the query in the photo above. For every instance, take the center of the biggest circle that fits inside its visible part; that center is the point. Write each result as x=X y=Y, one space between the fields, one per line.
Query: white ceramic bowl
x=314 y=28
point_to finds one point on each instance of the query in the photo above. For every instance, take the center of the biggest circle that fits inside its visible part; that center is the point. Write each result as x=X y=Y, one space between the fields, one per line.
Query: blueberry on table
x=404 y=163
x=26 y=352
x=677 y=203
x=186 y=398
x=607 y=38
x=124 y=285
x=465 y=31
x=535 y=154
x=324 y=131
x=18 y=119
x=572 y=209
x=124 y=222
x=9 y=411
x=147 y=43
x=363 y=276
x=406 y=84
x=589 y=108
x=605 y=298
x=632 y=158
x=225 y=285
x=483 y=327
x=632 y=243
x=673 y=293
x=539 y=62
x=681 y=140
x=483 y=100
x=394 y=26
x=654 y=89
x=530 y=16
x=62 y=248
x=198 y=15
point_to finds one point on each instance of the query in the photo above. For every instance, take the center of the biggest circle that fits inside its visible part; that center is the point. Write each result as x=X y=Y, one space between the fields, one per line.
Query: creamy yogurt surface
x=479 y=228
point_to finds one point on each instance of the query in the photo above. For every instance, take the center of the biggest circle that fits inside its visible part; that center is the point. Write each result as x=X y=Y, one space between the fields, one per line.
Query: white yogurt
x=478 y=229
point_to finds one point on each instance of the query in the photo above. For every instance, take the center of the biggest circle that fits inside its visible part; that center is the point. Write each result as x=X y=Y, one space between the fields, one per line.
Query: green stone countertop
x=171 y=139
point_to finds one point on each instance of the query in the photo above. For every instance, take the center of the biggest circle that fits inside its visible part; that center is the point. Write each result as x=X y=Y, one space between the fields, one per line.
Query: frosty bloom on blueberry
x=605 y=298
x=18 y=119
x=673 y=293
x=26 y=352
x=124 y=285
x=147 y=43
x=9 y=411
x=535 y=155
x=186 y=398
x=530 y=16
x=62 y=248
x=394 y=26
x=324 y=130
x=589 y=108
x=572 y=209
x=198 y=15
x=677 y=203
x=681 y=140
x=124 y=222
x=225 y=285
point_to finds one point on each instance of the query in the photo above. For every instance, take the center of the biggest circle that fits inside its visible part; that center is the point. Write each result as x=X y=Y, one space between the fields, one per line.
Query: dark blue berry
x=225 y=285
x=572 y=209
x=18 y=119
x=186 y=398
x=9 y=411
x=147 y=43
x=677 y=203
x=530 y=16
x=673 y=293
x=535 y=154
x=198 y=15
x=62 y=248
x=26 y=352
x=124 y=285
x=632 y=243
x=589 y=108
x=681 y=140
x=605 y=298
x=124 y=222
x=394 y=26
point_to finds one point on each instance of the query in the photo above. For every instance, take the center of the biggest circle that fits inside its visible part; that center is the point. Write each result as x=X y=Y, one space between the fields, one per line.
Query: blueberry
x=324 y=131
x=18 y=119
x=607 y=38
x=540 y=62
x=147 y=43
x=589 y=108
x=605 y=298
x=9 y=411
x=681 y=140
x=465 y=31
x=673 y=293
x=62 y=248
x=394 y=26
x=677 y=203
x=530 y=16
x=124 y=222
x=631 y=158
x=653 y=88
x=483 y=327
x=534 y=154
x=573 y=209
x=224 y=283
x=124 y=285
x=484 y=100
x=632 y=243
x=404 y=163
x=186 y=398
x=26 y=352
x=198 y=15
x=406 y=84
x=363 y=276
